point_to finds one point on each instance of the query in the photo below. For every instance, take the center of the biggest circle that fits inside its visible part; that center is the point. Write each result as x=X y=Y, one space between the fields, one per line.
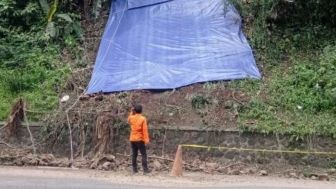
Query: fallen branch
x=231 y=165
x=1 y=142
x=173 y=106
x=235 y=99
x=82 y=69
x=161 y=158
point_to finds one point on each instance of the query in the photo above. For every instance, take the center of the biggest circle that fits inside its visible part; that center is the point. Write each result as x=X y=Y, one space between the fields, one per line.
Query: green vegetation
x=32 y=38
x=39 y=45
x=295 y=44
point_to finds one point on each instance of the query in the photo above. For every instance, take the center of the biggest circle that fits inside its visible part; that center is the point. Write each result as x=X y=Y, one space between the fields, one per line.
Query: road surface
x=50 y=178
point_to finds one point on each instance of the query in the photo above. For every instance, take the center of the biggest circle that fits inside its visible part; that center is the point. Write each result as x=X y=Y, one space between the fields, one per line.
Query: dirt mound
x=199 y=105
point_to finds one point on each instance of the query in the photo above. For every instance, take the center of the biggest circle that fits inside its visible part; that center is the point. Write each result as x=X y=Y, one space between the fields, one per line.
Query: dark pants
x=136 y=146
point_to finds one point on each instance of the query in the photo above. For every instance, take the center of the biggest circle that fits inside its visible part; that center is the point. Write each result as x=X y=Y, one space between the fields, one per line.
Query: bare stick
x=70 y=134
x=156 y=157
x=231 y=165
x=1 y=142
x=173 y=106
x=161 y=158
x=235 y=99
x=83 y=146
x=83 y=69
x=70 y=138
x=38 y=112
x=163 y=143
x=70 y=131
x=28 y=128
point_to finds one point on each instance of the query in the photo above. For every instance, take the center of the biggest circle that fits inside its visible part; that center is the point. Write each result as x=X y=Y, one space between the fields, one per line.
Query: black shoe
x=146 y=172
x=134 y=172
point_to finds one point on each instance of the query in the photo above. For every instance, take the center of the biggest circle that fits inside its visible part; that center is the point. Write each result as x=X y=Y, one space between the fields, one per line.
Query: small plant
x=199 y=102
x=332 y=164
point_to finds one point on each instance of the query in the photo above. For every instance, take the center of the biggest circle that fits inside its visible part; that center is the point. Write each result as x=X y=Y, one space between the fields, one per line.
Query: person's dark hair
x=137 y=108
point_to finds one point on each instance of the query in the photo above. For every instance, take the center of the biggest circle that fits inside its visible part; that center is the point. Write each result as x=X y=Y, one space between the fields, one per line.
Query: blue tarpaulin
x=166 y=44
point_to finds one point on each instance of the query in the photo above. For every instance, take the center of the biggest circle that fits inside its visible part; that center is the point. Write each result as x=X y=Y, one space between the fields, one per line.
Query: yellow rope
x=259 y=150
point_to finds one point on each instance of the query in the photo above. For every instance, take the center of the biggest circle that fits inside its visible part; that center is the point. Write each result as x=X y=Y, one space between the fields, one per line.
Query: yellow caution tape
x=259 y=150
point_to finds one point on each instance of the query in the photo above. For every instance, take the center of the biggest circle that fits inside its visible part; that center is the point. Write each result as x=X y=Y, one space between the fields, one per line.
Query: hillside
x=294 y=43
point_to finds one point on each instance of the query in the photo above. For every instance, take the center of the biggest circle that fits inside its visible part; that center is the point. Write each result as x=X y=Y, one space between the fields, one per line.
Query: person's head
x=137 y=108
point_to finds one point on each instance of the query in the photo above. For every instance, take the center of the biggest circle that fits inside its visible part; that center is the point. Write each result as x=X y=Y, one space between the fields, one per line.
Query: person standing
x=139 y=137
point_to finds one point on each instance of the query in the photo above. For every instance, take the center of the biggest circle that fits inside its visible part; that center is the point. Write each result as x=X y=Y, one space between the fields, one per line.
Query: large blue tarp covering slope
x=166 y=44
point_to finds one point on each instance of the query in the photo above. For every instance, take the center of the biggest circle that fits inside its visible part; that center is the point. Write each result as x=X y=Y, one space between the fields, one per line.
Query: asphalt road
x=32 y=178
x=10 y=182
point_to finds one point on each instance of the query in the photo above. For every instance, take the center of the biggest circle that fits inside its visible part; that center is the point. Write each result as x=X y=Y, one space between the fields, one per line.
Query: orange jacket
x=139 y=128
